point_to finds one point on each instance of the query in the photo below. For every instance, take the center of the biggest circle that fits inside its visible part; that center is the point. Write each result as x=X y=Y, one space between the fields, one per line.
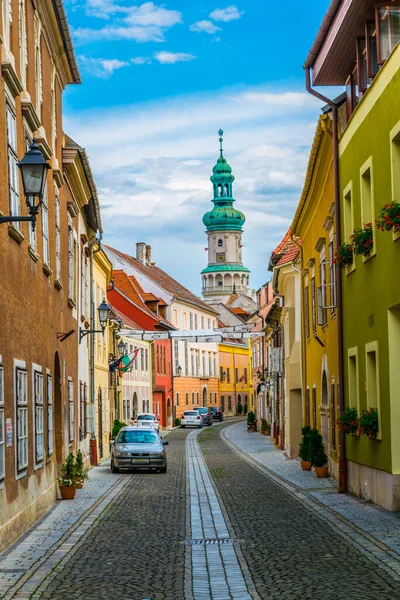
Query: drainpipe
x=342 y=436
x=93 y=446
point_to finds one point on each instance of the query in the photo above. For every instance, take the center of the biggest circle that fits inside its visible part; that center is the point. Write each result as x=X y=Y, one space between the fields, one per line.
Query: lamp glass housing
x=103 y=311
x=33 y=172
x=121 y=348
x=179 y=371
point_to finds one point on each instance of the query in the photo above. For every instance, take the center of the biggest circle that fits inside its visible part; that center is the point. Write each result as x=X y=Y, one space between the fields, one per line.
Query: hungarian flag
x=126 y=362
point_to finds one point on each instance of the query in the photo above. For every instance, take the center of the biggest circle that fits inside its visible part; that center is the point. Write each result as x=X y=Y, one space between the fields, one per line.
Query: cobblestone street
x=215 y=526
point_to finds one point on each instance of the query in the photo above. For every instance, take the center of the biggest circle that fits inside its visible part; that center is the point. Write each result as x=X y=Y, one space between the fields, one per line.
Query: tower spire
x=221 y=137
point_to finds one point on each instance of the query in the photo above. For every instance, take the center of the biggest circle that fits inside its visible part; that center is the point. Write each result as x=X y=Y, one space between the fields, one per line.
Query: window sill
x=396 y=235
x=71 y=303
x=58 y=285
x=351 y=269
x=34 y=255
x=15 y=234
x=366 y=258
x=47 y=271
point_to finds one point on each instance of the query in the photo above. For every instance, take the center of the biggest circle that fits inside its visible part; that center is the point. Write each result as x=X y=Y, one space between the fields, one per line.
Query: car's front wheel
x=163 y=470
x=182 y=427
x=114 y=469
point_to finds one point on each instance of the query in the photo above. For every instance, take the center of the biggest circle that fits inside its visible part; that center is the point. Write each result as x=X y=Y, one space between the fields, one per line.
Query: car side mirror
x=165 y=443
x=112 y=442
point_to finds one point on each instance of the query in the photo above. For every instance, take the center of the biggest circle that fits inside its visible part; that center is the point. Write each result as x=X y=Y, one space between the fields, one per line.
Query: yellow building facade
x=102 y=417
x=314 y=224
x=235 y=377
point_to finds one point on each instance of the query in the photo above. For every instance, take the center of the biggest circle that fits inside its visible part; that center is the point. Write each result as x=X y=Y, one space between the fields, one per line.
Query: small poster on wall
x=8 y=433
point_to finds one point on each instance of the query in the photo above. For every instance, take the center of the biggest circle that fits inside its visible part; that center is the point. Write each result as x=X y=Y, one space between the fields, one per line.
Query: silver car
x=135 y=448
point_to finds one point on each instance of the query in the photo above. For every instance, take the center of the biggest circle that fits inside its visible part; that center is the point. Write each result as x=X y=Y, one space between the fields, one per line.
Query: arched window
x=22 y=42
x=220 y=243
x=227 y=189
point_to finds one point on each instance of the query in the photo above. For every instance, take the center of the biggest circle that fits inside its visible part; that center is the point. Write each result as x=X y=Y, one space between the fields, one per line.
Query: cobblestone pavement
x=374 y=531
x=291 y=552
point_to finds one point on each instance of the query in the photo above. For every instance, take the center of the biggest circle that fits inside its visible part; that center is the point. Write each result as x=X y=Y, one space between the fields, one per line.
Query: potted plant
x=265 y=427
x=363 y=240
x=177 y=422
x=369 y=423
x=67 y=480
x=116 y=427
x=240 y=409
x=245 y=409
x=389 y=217
x=251 y=422
x=348 y=420
x=81 y=471
x=305 y=449
x=319 y=459
x=344 y=256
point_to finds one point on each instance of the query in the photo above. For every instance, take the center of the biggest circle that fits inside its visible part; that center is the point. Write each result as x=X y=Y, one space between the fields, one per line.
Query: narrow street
x=212 y=527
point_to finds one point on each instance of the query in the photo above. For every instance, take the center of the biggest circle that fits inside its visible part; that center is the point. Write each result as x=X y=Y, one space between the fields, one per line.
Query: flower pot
x=306 y=465
x=321 y=471
x=79 y=483
x=67 y=492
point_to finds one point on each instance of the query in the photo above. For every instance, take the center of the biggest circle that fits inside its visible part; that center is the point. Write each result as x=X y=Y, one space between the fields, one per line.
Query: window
x=58 y=243
x=354 y=391
x=314 y=407
x=2 y=441
x=332 y=275
x=187 y=398
x=38 y=404
x=83 y=303
x=306 y=313
x=220 y=243
x=210 y=398
x=222 y=403
x=322 y=316
x=245 y=376
x=186 y=358
x=13 y=176
x=333 y=416
x=71 y=410
x=387 y=18
x=307 y=406
x=229 y=403
x=45 y=229
x=22 y=419
x=158 y=359
x=215 y=397
x=176 y=356
x=146 y=355
x=192 y=361
x=372 y=49
x=208 y=323
x=53 y=109
x=362 y=64
x=193 y=398
x=210 y=364
x=202 y=322
x=196 y=322
x=191 y=320
x=142 y=359
x=38 y=65
x=23 y=52
x=367 y=200
x=313 y=306
x=372 y=371
x=177 y=398
x=221 y=373
x=228 y=375
x=214 y=364
x=197 y=398
x=81 y=410
x=197 y=362
x=71 y=262
x=204 y=364
x=237 y=375
x=348 y=212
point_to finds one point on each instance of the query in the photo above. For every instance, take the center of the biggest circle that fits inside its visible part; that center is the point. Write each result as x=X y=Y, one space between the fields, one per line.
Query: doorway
x=204 y=396
x=325 y=411
x=100 y=421
x=134 y=406
x=58 y=411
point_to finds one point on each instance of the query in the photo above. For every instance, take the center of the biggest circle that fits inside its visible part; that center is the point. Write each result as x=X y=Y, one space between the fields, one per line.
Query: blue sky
x=159 y=80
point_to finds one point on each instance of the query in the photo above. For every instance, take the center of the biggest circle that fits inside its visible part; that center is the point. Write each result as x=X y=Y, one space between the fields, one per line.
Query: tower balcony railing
x=215 y=289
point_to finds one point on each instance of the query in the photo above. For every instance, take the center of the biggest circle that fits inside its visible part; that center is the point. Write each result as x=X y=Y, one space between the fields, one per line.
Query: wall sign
x=8 y=433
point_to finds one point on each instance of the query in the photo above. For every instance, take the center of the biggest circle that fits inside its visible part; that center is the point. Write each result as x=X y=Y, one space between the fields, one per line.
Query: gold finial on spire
x=221 y=134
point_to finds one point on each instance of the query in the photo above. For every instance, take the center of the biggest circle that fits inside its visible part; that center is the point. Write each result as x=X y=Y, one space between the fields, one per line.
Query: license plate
x=141 y=461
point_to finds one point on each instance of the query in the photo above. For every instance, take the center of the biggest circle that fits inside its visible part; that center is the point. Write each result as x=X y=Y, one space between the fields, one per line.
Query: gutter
x=336 y=182
x=67 y=39
x=322 y=33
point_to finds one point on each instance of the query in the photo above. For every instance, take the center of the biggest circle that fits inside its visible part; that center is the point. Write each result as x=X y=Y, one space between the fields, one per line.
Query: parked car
x=136 y=448
x=147 y=420
x=217 y=413
x=206 y=414
x=191 y=418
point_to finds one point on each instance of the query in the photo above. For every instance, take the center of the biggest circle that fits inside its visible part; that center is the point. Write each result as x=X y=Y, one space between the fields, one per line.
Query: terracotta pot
x=79 y=484
x=68 y=492
x=321 y=471
x=306 y=465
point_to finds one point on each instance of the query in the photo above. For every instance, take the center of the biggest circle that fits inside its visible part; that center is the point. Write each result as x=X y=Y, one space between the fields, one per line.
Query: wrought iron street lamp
x=224 y=376
x=103 y=310
x=179 y=371
x=122 y=348
x=34 y=174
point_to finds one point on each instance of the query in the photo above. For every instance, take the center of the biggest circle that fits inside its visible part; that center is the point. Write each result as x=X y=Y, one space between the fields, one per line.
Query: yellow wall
x=232 y=356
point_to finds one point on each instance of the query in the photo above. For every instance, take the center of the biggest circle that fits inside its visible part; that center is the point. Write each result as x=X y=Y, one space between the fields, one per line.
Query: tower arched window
x=220 y=243
x=227 y=189
x=220 y=189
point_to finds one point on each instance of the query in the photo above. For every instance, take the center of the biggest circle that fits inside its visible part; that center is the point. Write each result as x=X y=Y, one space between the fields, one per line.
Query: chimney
x=148 y=255
x=141 y=252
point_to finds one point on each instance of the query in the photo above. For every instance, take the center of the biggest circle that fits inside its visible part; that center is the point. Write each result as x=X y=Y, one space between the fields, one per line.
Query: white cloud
x=153 y=168
x=140 y=60
x=230 y=13
x=145 y=23
x=204 y=26
x=170 y=58
x=100 y=67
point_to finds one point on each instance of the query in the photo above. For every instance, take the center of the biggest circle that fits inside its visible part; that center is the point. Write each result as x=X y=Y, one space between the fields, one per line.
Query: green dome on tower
x=223 y=216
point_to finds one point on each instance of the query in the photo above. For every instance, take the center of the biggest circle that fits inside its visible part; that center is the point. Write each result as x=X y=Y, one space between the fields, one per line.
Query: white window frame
x=23 y=44
x=45 y=229
x=2 y=425
x=71 y=411
x=50 y=440
x=38 y=415
x=21 y=417
x=58 y=232
x=12 y=153
x=71 y=265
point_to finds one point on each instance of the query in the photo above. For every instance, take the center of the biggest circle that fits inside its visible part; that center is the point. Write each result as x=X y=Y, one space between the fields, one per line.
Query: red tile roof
x=165 y=281
x=126 y=320
x=289 y=256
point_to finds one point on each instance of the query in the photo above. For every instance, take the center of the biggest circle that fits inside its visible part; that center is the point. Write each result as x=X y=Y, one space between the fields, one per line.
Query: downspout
x=303 y=343
x=342 y=435
x=92 y=243
x=264 y=412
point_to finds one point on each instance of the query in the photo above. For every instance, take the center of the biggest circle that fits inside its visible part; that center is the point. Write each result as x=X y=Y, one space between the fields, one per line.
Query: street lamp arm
x=84 y=332
x=12 y=219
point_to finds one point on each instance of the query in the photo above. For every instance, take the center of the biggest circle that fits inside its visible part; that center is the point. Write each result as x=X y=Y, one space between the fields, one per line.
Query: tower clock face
x=220 y=257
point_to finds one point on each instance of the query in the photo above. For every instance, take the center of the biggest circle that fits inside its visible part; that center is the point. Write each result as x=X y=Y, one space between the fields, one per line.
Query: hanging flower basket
x=362 y=240
x=348 y=420
x=369 y=423
x=389 y=217
x=344 y=256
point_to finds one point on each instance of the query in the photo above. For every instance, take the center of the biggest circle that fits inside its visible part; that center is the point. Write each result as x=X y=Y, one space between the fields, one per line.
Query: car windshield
x=215 y=409
x=203 y=411
x=137 y=437
x=146 y=418
x=190 y=413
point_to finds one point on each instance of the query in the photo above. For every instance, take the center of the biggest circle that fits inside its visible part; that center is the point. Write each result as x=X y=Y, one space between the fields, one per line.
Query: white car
x=191 y=418
x=147 y=420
